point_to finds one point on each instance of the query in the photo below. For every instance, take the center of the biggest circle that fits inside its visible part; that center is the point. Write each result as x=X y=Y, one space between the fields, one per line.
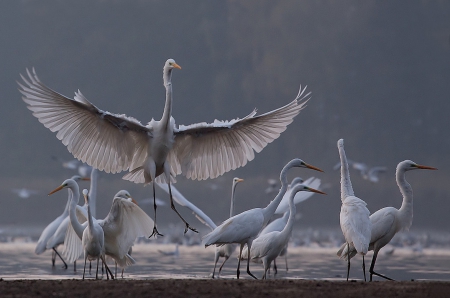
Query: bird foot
x=155 y=233
x=190 y=228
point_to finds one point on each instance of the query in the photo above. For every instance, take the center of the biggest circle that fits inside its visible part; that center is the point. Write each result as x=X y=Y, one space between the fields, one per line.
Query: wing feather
x=198 y=146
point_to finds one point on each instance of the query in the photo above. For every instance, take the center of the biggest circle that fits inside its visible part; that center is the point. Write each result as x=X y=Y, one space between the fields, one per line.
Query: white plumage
x=354 y=216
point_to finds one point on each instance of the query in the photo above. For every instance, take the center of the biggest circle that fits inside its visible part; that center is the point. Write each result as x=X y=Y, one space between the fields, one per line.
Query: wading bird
x=354 y=217
x=267 y=247
x=93 y=238
x=244 y=227
x=115 y=143
x=47 y=236
x=388 y=221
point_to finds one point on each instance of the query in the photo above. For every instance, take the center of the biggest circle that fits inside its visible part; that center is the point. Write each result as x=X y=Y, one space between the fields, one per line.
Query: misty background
x=378 y=72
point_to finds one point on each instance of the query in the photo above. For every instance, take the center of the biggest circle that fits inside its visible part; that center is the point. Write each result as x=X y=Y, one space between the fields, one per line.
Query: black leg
x=172 y=205
x=372 y=265
x=84 y=270
x=248 y=261
x=239 y=260
x=75 y=266
x=53 y=257
x=96 y=272
x=220 y=269
x=155 y=230
x=275 y=269
x=56 y=252
x=348 y=260
x=364 y=269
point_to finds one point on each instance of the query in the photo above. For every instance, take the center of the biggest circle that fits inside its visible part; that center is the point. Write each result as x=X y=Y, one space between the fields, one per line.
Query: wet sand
x=220 y=288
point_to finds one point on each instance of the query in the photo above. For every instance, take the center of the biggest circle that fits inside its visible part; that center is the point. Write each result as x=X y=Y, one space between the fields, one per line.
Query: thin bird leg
x=122 y=271
x=115 y=273
x=374 y=258
x=220 y=269
x=155 y=230
x=249 y=246
x=57 y=254
x=364 y=269
x=239 y=260
x=266 y=268
x=107 y=270
x=75 y=266
x=275 y=269
x=53 y=257
x=172 y=205
x=348 y=260
x=90 y=267
x=84 y=270
x=215 y=264
x=285 y=259
x=96 y=273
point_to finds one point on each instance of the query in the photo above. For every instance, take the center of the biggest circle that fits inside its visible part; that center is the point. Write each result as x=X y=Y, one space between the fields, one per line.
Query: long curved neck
x=406 y=210
x=73 y=217
x=167 y=77
x=69 y=199
x=270 y=209
x=292 y=210
x=232 y=199
x=90 y=221
x=93 y=192
x=346 y=184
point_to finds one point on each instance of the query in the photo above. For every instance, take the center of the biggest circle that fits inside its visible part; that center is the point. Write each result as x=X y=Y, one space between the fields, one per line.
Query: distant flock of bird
x=160 y=150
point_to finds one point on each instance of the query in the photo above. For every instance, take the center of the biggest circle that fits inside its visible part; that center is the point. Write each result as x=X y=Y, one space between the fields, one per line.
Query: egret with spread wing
x=115 y=143
x=244 y=227
x=388 y=221
x=354 y=217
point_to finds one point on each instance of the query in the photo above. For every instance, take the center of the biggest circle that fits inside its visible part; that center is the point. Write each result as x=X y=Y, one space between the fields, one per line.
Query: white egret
x=279 y=223
x=123 y=224
x=354 y=217
x=244 y=227
x=24 y=193
x=388 y=221
x=93 y=239
x=115 y=143
x=81 y=211
x=267 y=247
x=226 y=250
x=46 y=239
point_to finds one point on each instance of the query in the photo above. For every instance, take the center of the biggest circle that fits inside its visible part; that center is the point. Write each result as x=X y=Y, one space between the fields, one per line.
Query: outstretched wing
x=108 y=142
x=203 y=151
x=125 y=222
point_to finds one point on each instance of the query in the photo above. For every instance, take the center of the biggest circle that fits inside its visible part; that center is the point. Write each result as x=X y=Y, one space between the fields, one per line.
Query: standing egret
x=93 y=239
x=46 y=239
x=267 y=247
x=60 y=234
x=388 y=221
x=354 y=217
x=115 y=143
x=123 y=224
x=244 y=227
x=226 y=250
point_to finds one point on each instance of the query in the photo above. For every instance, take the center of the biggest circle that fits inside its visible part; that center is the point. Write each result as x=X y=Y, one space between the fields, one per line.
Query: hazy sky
x=379 y=73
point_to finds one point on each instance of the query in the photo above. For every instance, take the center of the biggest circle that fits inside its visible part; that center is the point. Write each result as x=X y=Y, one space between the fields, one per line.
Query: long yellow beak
x=313 y=167
x=56 y=189
x=426 y=167
x=240 y=180
x=176 y=65
x=316 y=191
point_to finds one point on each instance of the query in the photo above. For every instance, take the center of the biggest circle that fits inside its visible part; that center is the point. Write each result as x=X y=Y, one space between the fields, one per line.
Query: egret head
x=170 y=63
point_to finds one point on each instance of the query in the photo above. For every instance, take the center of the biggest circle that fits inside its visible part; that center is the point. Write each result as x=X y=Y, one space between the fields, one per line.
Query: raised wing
x=73 y=248
x=108 y=142
x=203 y=151
x=181 y=200
x=125 y=222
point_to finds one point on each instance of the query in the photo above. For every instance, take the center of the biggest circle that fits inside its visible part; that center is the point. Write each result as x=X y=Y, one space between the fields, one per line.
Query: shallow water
x=18 y=261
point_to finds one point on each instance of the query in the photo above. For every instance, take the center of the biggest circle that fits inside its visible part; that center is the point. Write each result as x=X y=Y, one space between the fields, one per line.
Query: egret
x=123 y=224
x=81 y=211
x=93 y=239
x=46 y=239
x=267 y=247
x=244 y=227
x=354 y=217
x=388 y=221
x=115 y=143
x=279 y=223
